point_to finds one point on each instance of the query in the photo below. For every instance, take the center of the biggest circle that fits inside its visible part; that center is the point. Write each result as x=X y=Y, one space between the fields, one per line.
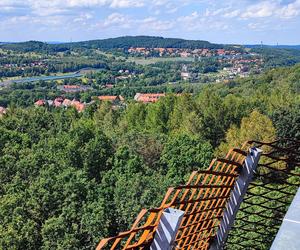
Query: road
x=40 y=78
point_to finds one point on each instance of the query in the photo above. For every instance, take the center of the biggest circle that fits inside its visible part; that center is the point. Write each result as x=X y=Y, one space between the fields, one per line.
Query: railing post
x=167 y=229
x=236 y=198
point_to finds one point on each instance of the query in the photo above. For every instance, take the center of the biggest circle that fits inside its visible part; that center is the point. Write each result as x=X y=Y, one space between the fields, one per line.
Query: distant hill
x=147 y=41
x=26 y=46
x=255 y=46
x=275 y=56
x=114 y=43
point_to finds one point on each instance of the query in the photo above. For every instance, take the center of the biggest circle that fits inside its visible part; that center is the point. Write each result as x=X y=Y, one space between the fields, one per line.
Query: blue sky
x=242 y=22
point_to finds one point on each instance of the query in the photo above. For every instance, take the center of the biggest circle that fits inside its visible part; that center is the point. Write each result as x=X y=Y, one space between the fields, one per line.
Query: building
x=79 y=106
x=148 y=98
x=40 y=103
x=2 y=111
x=58 y=102
x=73 y=88
x=115 y=99
x=186 y=76
x=67 y=103
x=221 y=52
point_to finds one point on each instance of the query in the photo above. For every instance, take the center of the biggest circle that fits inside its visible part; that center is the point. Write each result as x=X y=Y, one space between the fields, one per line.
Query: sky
x=219 y=21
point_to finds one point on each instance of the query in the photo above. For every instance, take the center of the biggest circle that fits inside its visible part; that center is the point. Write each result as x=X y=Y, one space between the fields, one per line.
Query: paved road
x=40 y=78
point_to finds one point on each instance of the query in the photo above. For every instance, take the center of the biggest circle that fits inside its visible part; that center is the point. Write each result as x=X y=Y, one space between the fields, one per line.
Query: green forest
x=69 y=179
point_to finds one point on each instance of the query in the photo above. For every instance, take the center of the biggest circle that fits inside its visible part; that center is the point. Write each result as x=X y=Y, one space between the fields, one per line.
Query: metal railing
x=268 y=196
x=205 y=196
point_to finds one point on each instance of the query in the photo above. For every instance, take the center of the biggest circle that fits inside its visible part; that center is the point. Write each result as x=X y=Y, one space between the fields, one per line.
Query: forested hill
x=146 y=41
x=30 y=46
x=275 y=57
x=113 y=43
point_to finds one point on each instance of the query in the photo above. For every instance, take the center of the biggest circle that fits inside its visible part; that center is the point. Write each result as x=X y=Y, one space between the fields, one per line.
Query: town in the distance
x=122 y=69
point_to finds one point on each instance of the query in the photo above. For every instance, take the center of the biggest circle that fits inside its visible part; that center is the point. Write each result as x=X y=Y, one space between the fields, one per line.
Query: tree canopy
x=68 y=179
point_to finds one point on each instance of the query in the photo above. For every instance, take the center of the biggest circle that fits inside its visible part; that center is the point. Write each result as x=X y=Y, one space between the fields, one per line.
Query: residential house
x=115 y=99
x=58 y=102
x=67 y=103
x=73 y=88
x=40 y=103
x=79 y=106
x=186 y=76
x=221 y=52
x=148 y=98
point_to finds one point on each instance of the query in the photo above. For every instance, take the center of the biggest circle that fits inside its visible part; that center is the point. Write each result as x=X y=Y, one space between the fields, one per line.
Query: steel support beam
x=167 y=229
x=236 y=198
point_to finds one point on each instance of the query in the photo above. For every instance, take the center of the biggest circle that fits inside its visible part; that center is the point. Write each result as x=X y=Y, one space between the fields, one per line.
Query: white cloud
x=166 y=18
x=86 y=3
x=121 y=21
x=51 y=7
x=272 y=9
x=20 y=21
x=190 y=18
x=152 y=23
x=126 y=3
x=216 y=12
x=232 y=14
x=160 y=2
x=83 y=17
x=11 y=2
x=291 y=10
x=116 y=19
x=263 y=9
x=197 y=22
x=172 y=10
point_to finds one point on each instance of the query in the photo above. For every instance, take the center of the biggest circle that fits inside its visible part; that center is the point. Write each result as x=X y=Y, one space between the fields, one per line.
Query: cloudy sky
x=230 y=21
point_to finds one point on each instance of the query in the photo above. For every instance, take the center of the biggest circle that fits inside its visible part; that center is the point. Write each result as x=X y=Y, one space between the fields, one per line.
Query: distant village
x=234 y=63
x=182 y=52
x=117 y=101
x=240 y=63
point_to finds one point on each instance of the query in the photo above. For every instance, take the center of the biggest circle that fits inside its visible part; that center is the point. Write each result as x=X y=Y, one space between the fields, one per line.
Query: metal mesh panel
x=268 y=196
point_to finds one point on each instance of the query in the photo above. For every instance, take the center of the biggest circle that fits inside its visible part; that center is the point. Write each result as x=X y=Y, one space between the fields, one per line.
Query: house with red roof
x=148 y=98
x=79 y=106
x=221 y=52
x=67 y=103
x=40 y=103
x=115 y=99
x=58 y=102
